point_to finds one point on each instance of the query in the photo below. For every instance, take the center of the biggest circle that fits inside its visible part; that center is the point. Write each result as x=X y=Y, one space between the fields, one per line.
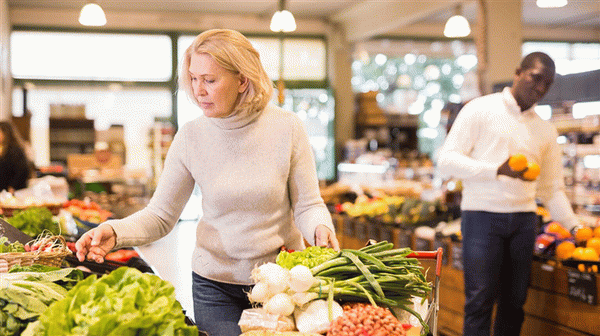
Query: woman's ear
x=243 y=83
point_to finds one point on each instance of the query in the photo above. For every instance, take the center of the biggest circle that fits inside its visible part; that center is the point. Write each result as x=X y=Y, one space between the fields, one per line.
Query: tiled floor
x=171 y=259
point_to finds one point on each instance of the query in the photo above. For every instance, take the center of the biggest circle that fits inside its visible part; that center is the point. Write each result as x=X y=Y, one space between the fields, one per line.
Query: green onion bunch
x=377 y=273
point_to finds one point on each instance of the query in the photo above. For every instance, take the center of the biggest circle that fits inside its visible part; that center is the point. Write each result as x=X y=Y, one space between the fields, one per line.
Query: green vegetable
x=5 y=246
x=378 y=274
x=124 y=302
x=33 y=221
x=309 y=257
x=26 y=295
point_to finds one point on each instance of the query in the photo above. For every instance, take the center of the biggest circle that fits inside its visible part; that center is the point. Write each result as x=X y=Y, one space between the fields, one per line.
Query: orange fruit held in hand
x=583 y=234
x=565 y=250
x=594 y=243
x=532 y=172
x=517 y=162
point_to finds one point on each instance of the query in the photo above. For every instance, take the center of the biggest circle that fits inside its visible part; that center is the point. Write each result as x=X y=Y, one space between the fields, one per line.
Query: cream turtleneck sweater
x=259 y=187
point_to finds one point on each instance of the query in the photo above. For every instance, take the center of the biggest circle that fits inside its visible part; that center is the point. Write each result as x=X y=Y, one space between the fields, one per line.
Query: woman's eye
x=209 y=81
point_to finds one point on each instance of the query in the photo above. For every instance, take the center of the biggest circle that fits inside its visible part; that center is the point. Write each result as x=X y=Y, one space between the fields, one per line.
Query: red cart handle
x=437 y=255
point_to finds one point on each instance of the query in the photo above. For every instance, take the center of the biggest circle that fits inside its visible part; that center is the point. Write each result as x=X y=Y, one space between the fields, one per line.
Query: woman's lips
x=205 y=105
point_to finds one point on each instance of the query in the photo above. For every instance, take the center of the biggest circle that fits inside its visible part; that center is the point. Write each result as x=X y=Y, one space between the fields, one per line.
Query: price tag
x=582 y=287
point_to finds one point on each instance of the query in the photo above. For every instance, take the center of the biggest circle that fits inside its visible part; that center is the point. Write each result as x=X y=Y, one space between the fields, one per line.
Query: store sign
x=582 y=287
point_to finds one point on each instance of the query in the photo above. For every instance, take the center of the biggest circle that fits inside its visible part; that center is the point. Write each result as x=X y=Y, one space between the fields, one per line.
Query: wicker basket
x=53 y=258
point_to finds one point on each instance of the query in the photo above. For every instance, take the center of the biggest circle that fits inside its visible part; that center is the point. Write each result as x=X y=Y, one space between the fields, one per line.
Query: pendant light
x=92 y=15
x=283 y=20
x=551 y=3
x=457 y=25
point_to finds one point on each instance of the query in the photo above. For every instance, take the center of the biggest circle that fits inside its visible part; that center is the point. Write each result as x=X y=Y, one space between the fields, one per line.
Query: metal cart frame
x=432 y=311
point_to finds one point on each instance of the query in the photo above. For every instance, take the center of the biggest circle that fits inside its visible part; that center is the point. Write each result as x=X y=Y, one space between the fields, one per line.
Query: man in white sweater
x=498 y=204
x=254 y=166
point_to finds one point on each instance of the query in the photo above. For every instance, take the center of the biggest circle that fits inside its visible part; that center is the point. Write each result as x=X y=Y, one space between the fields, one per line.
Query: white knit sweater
x=257 y=178
x=486 y=132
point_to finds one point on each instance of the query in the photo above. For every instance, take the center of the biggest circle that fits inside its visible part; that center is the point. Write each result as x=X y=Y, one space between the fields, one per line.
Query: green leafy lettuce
x=309 y=257
x=125 y=302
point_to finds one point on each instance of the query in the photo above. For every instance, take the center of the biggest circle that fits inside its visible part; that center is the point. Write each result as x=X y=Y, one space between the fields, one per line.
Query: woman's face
x=215 y=88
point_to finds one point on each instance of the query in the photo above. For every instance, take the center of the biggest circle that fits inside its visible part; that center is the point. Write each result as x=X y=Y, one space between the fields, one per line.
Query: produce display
x=33 y=221
x=377 y=275
x=581 y=248
x=26 y=293
x=396 y=210
x=124 y=302
x=87 y=210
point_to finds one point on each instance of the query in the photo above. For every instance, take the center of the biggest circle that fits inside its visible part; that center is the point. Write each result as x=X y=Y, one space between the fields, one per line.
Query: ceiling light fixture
x=92 y=15
x=457 y=25
x=551 y=3
x=283 y=20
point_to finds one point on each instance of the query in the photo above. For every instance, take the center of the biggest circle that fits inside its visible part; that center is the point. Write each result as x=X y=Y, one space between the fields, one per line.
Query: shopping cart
x=431 y=317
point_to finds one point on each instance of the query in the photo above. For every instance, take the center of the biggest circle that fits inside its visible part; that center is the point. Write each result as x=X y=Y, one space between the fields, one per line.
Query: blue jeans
x=497 y=253
x=218 y=306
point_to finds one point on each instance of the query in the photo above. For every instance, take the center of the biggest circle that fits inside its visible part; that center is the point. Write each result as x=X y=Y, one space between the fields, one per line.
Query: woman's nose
x=200 y=91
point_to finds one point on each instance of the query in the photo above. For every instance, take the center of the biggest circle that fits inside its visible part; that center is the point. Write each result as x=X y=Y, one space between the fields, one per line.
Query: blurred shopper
x=498 y=204
x=254 y=166
x=15 y=168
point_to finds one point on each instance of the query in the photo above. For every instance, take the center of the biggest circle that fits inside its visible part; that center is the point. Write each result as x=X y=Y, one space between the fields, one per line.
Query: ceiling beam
x=375 y=17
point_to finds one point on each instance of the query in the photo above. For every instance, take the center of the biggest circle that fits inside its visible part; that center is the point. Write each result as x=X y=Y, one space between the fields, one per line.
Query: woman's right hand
x=96 y=243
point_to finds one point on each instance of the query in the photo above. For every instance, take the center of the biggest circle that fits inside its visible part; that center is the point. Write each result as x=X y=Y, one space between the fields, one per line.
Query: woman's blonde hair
x=234 y=52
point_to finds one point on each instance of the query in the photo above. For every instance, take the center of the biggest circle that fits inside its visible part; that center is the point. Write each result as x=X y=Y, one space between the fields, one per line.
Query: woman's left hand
x=324 y=237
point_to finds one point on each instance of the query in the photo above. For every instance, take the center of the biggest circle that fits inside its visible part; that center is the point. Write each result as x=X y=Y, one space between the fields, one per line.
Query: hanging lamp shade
x=283 y=20
x=457 y=25
x=92 y=15
x=551 y=3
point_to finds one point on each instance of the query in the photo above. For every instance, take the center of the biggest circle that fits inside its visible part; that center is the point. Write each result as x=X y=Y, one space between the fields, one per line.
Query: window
x=568 y=57
x=134 y=109
x=85 y=56
x=304 y=58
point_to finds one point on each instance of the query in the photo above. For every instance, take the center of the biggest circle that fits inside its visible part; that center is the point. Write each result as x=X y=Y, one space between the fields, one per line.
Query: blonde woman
x=255 y=169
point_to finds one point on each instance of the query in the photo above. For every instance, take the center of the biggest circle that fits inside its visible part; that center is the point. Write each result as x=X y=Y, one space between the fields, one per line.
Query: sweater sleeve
x=550 y=187
x=454 y=160
x=307 y=205
x=162 y=213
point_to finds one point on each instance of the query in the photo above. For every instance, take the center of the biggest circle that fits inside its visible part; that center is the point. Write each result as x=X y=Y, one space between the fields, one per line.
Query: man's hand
x=324 y=237
x=505 y=169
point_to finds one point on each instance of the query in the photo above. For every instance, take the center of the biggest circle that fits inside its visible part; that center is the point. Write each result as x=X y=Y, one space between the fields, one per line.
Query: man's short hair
x=529 y=61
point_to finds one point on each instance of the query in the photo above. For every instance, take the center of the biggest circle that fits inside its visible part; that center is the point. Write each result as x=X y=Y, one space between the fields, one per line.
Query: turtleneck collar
x=512 y=104
x=235 y=120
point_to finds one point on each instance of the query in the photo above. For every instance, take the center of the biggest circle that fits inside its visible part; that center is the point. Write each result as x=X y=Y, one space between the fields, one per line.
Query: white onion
x=273 y=275
x=280 y=304
x=314 y=317
x=259 y=293
x=300 y=299
x=301 y=279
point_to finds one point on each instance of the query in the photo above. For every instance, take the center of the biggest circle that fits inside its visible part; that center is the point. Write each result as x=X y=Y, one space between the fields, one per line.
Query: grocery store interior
x=377 y=85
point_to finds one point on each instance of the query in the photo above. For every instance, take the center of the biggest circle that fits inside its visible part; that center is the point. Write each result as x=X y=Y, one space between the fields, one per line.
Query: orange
x=556 y=228
x=577 y=253
x=597 y=231
x=590 y=254
x=583 y=234
x=517 y=162
x=594 y=243
x=565 y=250
x=532 y=172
